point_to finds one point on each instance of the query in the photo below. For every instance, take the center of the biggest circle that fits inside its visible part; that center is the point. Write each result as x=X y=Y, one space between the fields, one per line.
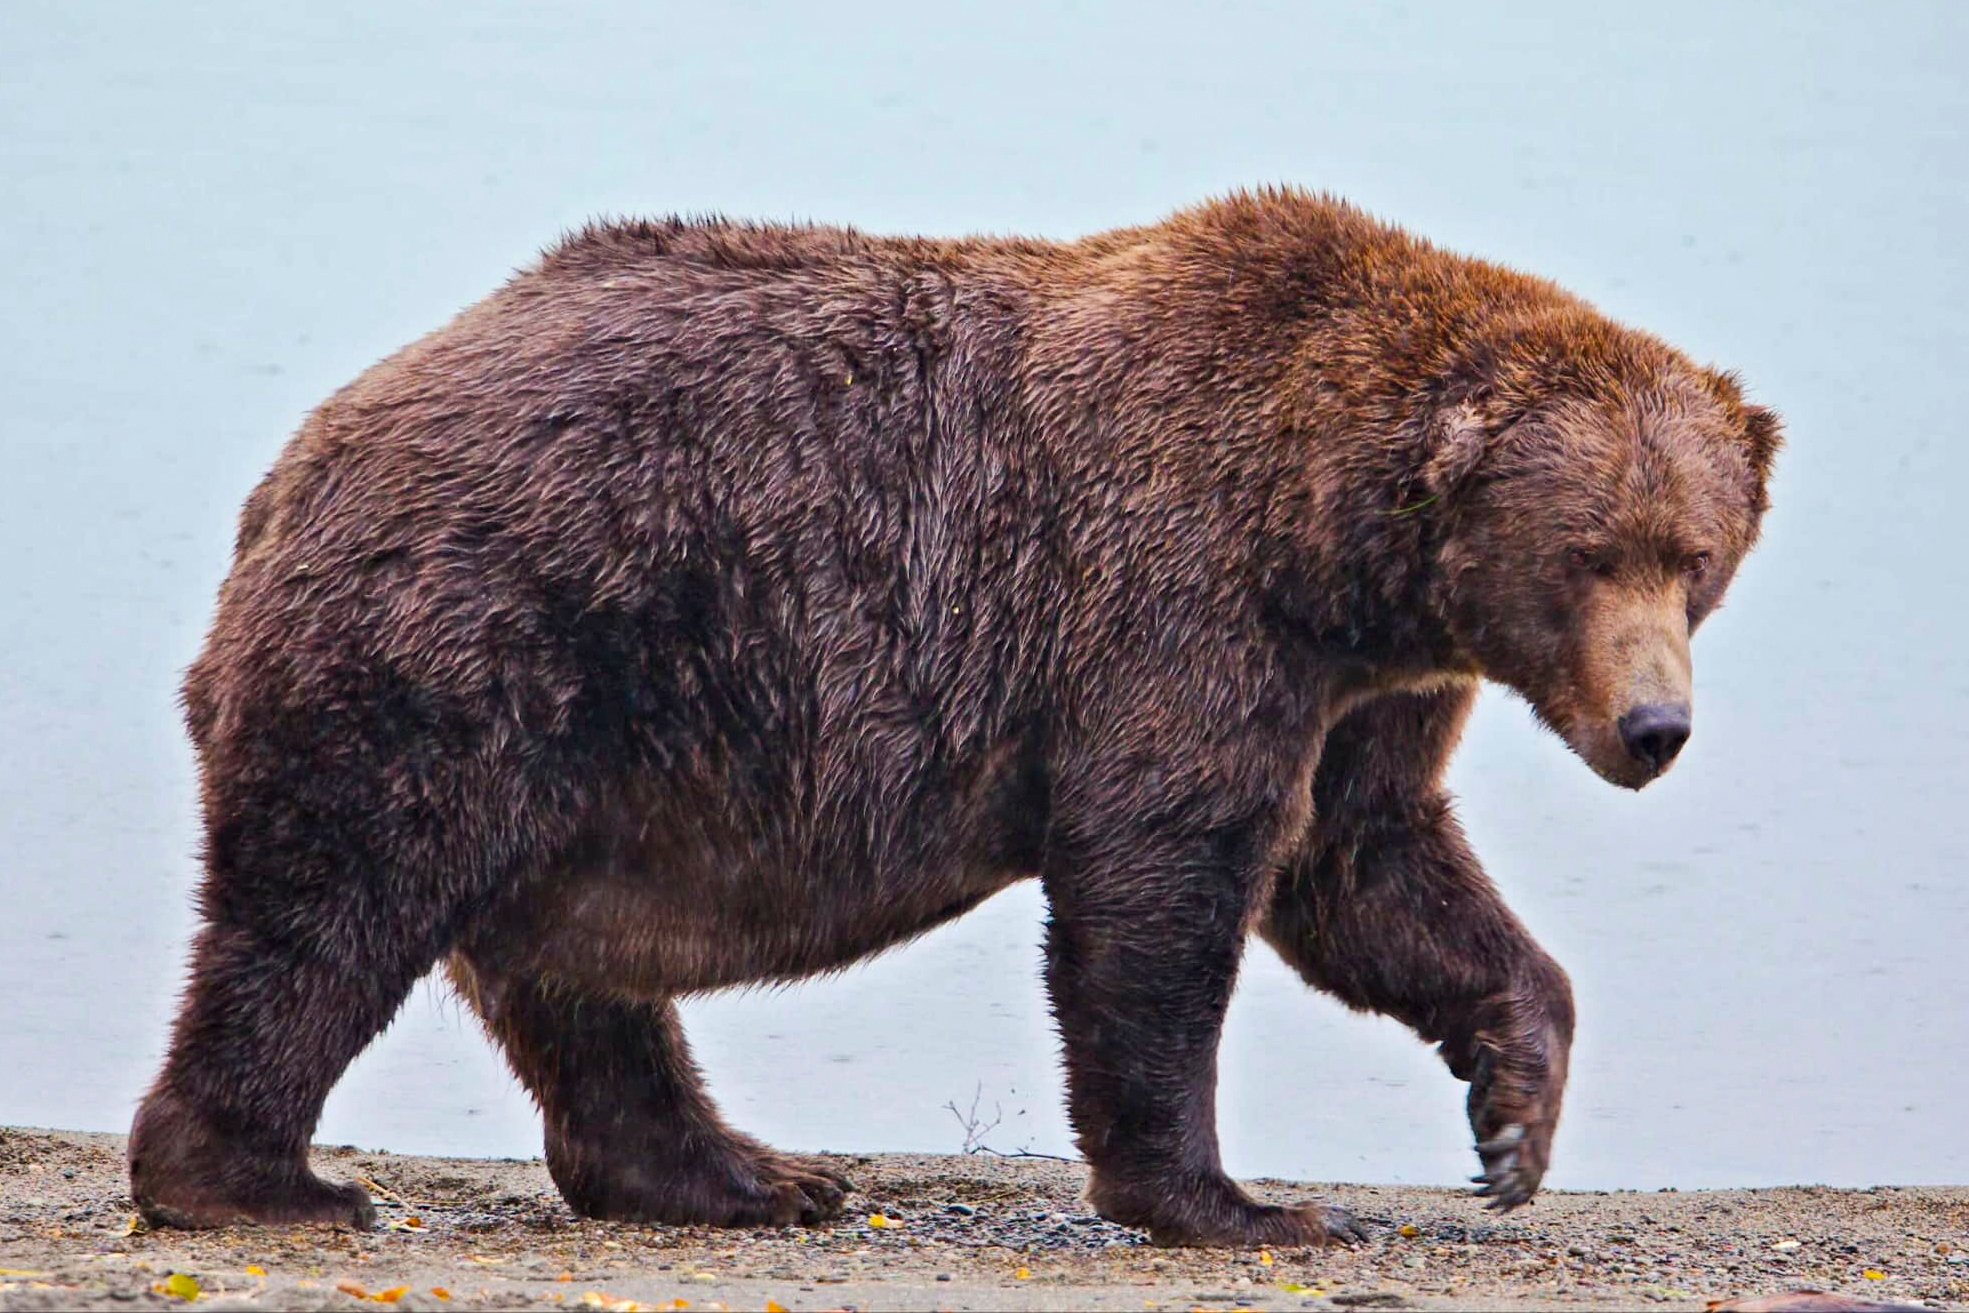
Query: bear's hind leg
x=631 y=1133
x=266 y=1029
x=348 y=842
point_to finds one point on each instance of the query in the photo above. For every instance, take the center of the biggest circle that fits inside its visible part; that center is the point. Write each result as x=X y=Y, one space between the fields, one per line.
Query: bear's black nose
x=1655 y=733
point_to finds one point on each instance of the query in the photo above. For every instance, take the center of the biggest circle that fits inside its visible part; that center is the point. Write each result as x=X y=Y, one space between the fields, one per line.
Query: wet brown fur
x=719 y=603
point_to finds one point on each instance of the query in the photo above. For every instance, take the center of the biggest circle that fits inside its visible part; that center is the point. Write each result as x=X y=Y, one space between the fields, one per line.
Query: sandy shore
x=955 y=1233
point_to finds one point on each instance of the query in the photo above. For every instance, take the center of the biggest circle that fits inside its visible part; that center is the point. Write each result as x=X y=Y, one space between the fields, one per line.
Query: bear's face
x=1588 y=541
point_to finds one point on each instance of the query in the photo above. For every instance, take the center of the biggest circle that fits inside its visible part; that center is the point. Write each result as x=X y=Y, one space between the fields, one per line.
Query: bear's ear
x=1460 y=434
x=1765 y=434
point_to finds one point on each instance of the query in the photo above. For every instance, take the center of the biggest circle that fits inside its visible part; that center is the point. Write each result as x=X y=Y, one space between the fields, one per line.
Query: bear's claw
x=1343 y=1226
x=1507 y=1181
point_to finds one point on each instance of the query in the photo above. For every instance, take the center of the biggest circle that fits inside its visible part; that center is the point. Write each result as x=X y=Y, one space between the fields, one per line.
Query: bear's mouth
x=1619 y=755
x=1598 y=742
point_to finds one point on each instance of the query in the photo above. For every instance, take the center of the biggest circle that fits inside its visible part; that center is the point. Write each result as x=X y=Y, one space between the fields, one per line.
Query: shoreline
x=970 y=1232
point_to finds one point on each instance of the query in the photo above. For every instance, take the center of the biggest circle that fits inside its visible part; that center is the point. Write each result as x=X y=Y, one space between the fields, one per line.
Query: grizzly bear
x=719 y=603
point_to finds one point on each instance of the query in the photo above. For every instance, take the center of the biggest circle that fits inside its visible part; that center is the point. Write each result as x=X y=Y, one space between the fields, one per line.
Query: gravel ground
x=954 y=1233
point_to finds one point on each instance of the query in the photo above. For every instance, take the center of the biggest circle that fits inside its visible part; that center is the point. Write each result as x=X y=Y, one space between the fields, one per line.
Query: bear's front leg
x=1389 y=910
x=1142 y=952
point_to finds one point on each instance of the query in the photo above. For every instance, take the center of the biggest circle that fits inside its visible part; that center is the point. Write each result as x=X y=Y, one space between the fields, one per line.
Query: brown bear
x=719 y=603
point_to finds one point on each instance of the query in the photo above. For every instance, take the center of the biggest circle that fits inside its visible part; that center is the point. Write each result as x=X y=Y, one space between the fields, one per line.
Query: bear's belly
x=681 y=891
x=638 y=934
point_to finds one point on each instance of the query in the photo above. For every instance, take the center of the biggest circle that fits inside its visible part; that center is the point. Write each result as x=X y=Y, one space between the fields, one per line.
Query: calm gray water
x=210 y=216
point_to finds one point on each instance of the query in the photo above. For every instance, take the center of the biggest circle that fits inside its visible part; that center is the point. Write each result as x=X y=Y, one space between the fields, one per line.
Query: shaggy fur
x=719 y=603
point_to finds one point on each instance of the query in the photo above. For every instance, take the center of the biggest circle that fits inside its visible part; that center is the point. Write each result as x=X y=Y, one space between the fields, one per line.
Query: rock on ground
x=974 y=1232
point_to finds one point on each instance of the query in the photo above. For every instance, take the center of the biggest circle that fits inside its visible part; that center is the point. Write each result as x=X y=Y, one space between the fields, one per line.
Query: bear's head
x=1592 y=514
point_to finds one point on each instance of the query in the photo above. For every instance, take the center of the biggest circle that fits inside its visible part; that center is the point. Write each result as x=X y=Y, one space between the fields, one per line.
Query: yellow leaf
x=1409 y=1231
x=1264 y=1258
x=597 y=1299
x=439 y=1292
x=1023 y=1274
x=137 y=1226
x=879 y=1222
x=1874 y=1274
x=255 y=1270
x=565 y=1276
x=179 y=1286
x=774 y=1306
x=390 y=1296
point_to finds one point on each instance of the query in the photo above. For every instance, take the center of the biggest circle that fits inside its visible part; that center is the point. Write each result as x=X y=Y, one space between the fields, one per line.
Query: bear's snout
x=1654 y=733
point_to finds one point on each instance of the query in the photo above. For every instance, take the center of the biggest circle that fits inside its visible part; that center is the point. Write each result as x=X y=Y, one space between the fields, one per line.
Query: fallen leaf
x=1874 y=1274
x=351 y=1288
x=1023 y=1274
x=880 y=1222
x=597 y=1299
x=1264 y=1258
x=23 y=1273
x=439 y=1292
x=1409 y=1231
x=390 y=1296
x=255 y=1270
x=137 y=1225
x=179 y=1286
x=774 y=1306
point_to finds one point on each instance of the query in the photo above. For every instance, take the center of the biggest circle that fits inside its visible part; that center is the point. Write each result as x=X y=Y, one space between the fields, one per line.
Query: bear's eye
x=1696 y=564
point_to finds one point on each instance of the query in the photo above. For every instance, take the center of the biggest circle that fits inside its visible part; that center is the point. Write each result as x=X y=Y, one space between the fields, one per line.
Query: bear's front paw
x=1213 y=1211
x=1514 y=1049
x=1513 y=1116
x=1514 y=1163
x=1257 y=1225
x=816 y=1191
